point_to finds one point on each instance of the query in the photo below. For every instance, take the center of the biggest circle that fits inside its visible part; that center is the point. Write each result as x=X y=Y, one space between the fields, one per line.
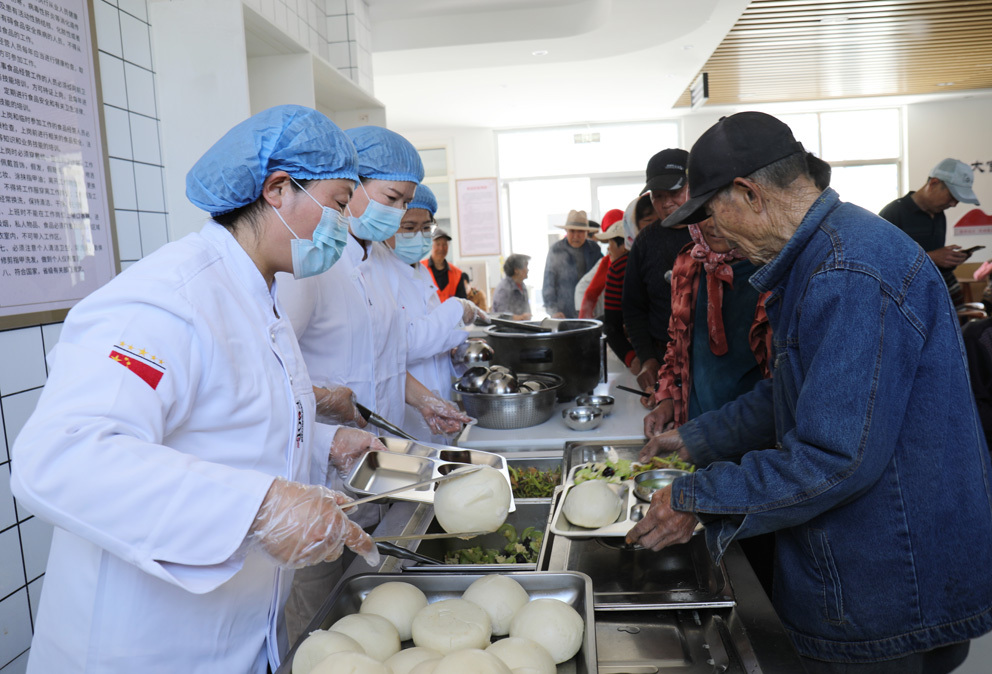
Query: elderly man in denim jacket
x=864 y=452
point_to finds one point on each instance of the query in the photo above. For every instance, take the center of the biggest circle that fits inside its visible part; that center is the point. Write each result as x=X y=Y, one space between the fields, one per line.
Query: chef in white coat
x=433 y=327
x=174 y=446
x=350 y=331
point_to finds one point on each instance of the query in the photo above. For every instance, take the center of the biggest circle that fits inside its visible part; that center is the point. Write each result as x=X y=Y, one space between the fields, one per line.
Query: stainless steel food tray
x=631 y=512
x=407 y=462
x=572 y=588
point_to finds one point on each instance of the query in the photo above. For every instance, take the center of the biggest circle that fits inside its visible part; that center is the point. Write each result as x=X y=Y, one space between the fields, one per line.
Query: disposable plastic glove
x=471 y=312
x=301 y=525
x=350 y=444
x=336 y=405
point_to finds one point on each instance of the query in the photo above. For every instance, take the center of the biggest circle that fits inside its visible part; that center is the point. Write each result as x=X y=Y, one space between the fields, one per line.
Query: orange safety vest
x=454 y=277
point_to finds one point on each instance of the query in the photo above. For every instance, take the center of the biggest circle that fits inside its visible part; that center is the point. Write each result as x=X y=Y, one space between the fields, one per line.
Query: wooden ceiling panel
x=794 y=50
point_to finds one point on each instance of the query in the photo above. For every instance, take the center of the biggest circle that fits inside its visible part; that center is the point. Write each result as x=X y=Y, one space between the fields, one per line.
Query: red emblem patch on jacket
x=139 y=361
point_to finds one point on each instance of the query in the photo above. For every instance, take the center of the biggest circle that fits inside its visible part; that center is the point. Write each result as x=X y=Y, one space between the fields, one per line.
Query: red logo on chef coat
x=150 y=368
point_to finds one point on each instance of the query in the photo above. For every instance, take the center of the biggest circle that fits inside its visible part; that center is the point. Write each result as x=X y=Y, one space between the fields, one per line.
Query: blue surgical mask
x=412 y=249
x=378 y=222
x=312 y=257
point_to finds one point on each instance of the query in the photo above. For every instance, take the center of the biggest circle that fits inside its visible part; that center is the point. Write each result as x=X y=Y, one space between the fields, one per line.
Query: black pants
x=938 y=661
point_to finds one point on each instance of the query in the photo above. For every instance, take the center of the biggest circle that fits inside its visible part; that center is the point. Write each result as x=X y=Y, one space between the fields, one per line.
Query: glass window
x=806 y=128
x=871 y=186
x=435 y=162
x=860 y=134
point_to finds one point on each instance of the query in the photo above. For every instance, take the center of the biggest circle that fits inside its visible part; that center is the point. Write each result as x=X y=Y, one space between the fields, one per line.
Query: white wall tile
x=136 y=42
x=128 y=235
x=126 y=263
x=280 y=18
x=24 y=364
x=134 y=8
x=36 y=541
x=148 y=184
x=111 y=2
x=11 y=570
x=325 y=51
x=339 y=55
x=337 y=29
x=336 y=7
x=108 y=28
x=154 y=232
x=254 y=4
x=144 y=139
x=112 y=83
x=140 y=90
x=51 y=334
x=122 y=181
x=8 y=516
x=15 y=625
x=118 y=132
x=18 y=666
x=34 y=596
x=16 y=410
x=269 y=9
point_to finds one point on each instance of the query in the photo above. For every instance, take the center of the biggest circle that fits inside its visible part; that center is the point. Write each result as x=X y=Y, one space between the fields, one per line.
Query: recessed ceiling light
x=944 y=84
x=539 y=52
x=839 y=18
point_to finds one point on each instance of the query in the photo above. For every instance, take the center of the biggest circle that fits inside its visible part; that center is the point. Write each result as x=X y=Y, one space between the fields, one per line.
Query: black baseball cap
x=666 y=170
x=734 y=147
x=440 y=234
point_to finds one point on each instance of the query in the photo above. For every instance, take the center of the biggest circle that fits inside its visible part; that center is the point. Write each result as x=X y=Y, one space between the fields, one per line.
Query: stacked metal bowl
x=502 y=399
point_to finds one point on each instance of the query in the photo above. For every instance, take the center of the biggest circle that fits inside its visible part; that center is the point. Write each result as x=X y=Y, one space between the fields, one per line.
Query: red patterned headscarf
x=718 y=272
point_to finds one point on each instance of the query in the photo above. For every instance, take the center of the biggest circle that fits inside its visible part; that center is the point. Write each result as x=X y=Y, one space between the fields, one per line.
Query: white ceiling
x=471 y=63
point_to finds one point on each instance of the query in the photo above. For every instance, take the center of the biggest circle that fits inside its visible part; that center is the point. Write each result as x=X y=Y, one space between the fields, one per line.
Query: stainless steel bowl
x=582 y=418
x=499 y=383
x=604 y=403
x=519 y=410
x=530 y=385
x=475 y=351
x=650 y=481
x=472 y=380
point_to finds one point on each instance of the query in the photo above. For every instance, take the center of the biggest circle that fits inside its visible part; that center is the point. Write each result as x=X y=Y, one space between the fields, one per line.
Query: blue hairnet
x=424 y=198
x=385 y=155
x=292 y=138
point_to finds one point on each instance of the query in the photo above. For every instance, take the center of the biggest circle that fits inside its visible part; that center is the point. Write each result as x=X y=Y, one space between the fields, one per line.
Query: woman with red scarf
x=720 y=339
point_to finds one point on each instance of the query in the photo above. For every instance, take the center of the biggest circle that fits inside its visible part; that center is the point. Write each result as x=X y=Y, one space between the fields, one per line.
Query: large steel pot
x=575 y=351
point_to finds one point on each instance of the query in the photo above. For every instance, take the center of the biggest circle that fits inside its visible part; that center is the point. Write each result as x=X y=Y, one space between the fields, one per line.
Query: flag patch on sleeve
x=139 y=361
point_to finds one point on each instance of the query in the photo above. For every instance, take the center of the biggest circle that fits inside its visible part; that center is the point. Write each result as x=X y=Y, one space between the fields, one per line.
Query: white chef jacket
x=433 y=329
x=153 y=476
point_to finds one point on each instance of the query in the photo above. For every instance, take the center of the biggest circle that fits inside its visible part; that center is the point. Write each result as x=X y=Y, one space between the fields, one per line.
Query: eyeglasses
x=409 y=234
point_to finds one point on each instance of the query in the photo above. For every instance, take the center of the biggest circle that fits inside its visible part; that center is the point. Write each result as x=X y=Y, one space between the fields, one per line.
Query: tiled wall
x=132 y=130
x=337 y=30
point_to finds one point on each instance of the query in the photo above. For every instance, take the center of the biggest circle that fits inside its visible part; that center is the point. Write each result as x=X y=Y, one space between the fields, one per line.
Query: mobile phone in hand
x=969 y=251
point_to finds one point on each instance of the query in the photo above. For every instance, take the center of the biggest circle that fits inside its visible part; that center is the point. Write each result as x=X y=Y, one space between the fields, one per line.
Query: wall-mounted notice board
x=478 y=216
x=56 y=226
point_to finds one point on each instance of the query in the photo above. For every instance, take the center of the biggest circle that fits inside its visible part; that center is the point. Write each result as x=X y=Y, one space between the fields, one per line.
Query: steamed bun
x=523 y=656
x=451 y=625
x=319 y=645
x=406 y=660
x=376 y=634
x=592 y=505
x=478 y=501
x=471 y=660
x=396 y=602
x=552 y=623
x=350 y=663
x=500 y=597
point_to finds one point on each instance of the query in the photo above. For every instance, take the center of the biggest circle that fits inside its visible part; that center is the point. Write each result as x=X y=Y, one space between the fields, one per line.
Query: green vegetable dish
x=522 y=549
x=530 y=482
x=624 y=469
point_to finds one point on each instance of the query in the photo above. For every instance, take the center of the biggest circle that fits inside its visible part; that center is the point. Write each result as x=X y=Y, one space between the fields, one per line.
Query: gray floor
x=979 y=657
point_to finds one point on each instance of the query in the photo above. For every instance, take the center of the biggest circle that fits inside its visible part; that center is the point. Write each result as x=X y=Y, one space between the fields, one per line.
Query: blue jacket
x=871 y=463
x=561 y=276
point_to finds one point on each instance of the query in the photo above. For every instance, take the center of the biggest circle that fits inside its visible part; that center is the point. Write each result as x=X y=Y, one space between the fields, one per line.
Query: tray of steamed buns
x=445 y=623
x=407 y=462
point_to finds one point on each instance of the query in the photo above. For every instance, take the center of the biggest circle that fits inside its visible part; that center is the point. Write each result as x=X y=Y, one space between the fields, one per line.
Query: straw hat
x=578 y=220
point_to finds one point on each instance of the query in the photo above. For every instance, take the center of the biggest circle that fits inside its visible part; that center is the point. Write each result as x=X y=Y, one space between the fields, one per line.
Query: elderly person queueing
x=863 y=452
x=568 y=260
x=510 y=296
x=174 y=446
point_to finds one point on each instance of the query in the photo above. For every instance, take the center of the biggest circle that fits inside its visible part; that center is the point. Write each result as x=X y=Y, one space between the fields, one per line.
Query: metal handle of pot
x=537 y=355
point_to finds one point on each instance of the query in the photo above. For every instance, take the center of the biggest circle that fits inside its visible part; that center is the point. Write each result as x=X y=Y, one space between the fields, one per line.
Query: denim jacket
x=871 y=463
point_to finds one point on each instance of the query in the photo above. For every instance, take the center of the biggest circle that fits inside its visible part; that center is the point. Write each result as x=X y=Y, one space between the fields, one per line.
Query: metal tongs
x=459 y=472
x=374 y=418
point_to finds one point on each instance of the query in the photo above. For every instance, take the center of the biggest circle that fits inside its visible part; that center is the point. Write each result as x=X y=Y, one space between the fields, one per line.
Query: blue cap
x=292 y=138
x=425 y=199
x=385 y=155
